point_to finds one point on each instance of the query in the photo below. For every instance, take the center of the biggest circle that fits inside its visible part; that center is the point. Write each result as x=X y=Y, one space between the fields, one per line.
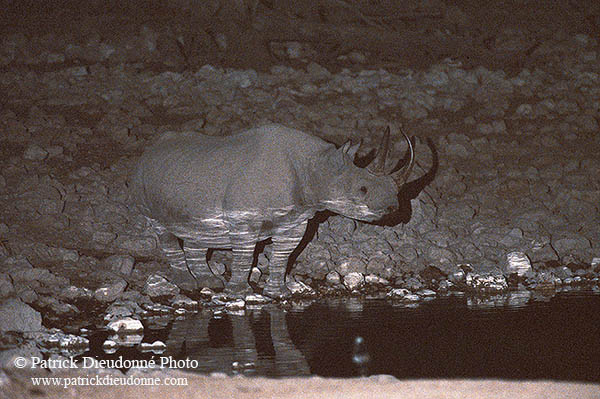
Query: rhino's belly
x=209 y=233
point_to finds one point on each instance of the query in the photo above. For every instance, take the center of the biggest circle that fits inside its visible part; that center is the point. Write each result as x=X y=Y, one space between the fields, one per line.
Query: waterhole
x=516 y=336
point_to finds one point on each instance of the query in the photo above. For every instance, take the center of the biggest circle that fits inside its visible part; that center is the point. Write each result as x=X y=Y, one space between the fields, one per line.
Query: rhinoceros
x=200 y=192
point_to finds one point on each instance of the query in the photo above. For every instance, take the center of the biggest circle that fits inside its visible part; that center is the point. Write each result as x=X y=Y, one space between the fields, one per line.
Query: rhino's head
x=362 y=193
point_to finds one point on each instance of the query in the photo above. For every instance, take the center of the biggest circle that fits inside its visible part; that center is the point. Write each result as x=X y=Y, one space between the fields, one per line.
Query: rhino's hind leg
x=169 y=244
x=195 y=255
x=243 y=244
x=283 y=245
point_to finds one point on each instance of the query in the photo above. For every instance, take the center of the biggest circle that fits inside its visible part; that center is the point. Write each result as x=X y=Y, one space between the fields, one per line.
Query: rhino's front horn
x=402 y=174
x=377 y=166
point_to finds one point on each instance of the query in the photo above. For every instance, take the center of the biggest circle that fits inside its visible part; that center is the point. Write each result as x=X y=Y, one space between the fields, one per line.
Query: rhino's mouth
x=354 y=210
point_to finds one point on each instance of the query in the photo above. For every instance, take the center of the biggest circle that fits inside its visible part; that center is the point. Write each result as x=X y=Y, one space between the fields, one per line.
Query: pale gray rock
x=18 y=316
x=111 y=290
x=333 y=278
x=35 y=153
x=120 y=263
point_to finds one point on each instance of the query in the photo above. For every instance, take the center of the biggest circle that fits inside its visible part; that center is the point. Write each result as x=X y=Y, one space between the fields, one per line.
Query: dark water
x=512 y=337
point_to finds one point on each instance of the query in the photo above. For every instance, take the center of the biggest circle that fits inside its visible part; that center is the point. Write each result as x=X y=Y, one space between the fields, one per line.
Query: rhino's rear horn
x=377 y=166
x=402 y=174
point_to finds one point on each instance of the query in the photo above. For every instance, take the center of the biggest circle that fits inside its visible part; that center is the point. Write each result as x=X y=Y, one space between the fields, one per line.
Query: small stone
x=255 y=275
x=413 y=284
x=157 y=286
x=426 y=292
x=411 y=298
x=155 y=347
x=256 y=299
x=109 y=346
x=54 y=150
x=353 y=280
x=126 y=325
x=35 y=153
x=183 y=302
x=299 y=288
x=235 y=305
x=333 y=278
x=398 y=293
x=517 y=262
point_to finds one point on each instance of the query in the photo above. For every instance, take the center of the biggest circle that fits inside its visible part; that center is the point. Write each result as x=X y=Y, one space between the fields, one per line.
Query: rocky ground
x=504 y=194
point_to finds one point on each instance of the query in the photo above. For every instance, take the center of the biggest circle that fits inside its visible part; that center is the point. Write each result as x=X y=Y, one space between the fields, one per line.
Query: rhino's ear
x=349 y=149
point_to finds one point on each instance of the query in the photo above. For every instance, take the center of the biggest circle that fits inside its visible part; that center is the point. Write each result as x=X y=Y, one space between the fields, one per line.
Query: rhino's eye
x=363 y=189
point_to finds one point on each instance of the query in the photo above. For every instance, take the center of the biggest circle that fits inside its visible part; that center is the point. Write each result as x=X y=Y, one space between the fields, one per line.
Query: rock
x=562 y=272
x=353 y=280
x=183 y=302
x=596 y=264
x=6 y=286
x=426 y=293
x=517 y=262
x=411 y=298
x=299 y=288
x=28 y=351
x=236 y=304
x=569 y=244
x=333 y=278
x=120 y=263
x=255 y=274
x=256 y=299
x=398 y=293
x=18 y=316
x=413 y=284
x=351 y=265
x=486 y=283
x=109 y=346
x=110 y=291
x=126 y=325
x=35 y=153
x=158 y=286
x=155 y=347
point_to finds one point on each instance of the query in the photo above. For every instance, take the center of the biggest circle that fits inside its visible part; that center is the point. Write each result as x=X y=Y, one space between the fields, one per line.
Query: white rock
x=411 y=298
x=156 y=347
x=235 y=305
x=126 y=325
x=298 y=287
x=398 y=293
x=517 y=262
x=256 y=299
x=354 y=280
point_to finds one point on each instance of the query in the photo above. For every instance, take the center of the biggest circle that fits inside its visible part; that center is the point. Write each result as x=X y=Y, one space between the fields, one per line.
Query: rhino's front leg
x=283 y=245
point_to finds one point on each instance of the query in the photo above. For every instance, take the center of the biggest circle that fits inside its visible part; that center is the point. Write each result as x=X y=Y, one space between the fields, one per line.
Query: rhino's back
x=187 y=175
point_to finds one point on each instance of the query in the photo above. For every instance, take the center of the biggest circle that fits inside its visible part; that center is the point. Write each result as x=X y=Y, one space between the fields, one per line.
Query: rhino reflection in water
x=218 y=344
x=234 y=191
